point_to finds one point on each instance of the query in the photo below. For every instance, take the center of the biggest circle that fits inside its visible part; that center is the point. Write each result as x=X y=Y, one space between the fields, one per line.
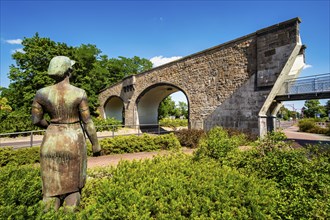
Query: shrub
x=272 y=141
x=20 y=191
x=173 y=123
x=16 y=122
x=309 y=125
x=108 y=124
x=306 y=124
x=189 y=137
x=302 y=176
x=132 y=143
x=175 y=187
x=217 y=143
x=9 y=156
x=288 y=184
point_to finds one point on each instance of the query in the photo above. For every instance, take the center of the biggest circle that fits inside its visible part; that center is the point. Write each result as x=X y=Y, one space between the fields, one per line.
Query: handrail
x=307 y=85
x=307 y=77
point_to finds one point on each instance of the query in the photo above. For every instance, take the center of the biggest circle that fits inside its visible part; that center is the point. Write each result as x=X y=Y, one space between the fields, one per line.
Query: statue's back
x=63 y=150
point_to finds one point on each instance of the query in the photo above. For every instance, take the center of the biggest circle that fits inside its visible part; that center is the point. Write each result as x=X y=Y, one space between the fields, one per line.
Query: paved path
x=303 y=138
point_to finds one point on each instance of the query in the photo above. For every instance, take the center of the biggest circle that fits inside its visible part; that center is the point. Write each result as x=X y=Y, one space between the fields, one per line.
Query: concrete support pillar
x=262 y=122
x=131 y=117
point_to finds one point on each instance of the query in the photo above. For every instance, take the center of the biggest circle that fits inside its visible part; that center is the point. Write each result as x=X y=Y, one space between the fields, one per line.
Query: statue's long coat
x=63 y=152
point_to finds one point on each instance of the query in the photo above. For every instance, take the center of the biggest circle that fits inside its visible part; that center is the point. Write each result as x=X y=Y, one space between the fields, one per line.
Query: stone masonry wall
x=225 y=85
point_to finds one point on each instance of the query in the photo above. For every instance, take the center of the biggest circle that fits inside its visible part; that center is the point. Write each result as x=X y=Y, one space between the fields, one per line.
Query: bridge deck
x=305 y=88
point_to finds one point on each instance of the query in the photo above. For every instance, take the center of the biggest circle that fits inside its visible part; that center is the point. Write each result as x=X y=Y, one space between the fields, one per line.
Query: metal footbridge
x=305 y=88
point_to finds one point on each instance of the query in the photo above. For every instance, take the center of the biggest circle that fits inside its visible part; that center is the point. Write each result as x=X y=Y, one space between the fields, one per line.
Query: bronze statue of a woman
x=63 y=154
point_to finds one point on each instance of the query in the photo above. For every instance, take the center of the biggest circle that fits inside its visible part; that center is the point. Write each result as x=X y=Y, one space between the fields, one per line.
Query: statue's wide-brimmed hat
x=59 y=65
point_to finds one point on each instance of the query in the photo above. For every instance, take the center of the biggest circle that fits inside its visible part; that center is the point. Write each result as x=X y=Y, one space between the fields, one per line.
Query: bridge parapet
x=317 y=86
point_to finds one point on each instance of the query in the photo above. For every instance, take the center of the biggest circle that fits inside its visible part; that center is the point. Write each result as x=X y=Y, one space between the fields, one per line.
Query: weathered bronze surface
x=63 y=150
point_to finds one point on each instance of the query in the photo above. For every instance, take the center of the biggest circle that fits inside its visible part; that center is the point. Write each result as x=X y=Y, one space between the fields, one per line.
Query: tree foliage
x=92 y=72
x=168 y=108
x=286 y=114
x=313 y=108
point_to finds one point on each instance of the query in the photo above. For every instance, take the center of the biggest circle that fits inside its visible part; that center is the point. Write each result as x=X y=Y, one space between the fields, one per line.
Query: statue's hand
x=97 y=154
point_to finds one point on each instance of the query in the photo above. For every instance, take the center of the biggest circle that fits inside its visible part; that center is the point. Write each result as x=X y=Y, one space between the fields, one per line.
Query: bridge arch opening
x=114 y=108
x=149 y=100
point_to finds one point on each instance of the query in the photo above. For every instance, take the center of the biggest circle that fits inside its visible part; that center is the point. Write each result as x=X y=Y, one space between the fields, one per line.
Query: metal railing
x=309 y=84
x=28 y=138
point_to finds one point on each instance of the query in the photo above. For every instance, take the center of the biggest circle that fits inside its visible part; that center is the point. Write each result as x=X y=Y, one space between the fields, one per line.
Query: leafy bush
x=247 y=134
x=217 y=143
x=17 y=122
x=130 y=144
x=108 y=124
x=9 y=156
x=173 y=123
x=288 y=184
x=272 y=141
x=189 y=137
x=20 y=191
x=177 y=188
x=302 y=176
x=309 y=125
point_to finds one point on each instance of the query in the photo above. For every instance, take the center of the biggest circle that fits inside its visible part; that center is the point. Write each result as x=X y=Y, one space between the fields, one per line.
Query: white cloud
x=307 y=66
x=14 y=41
x=160 y=60
x=20 y=50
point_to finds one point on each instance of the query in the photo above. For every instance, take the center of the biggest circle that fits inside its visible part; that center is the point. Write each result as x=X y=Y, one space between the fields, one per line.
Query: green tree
x=285 y=113
x=327 y=107
x=88 y=74
x=166 y=108
x=5 y=109
x=92 y=72
x=183 y=109
x=313 y=107
x=29 y=73
x=123 y=67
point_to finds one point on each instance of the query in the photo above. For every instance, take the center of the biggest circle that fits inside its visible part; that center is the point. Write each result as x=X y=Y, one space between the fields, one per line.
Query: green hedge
x=271 y=181
x=309 y=125
x=116 y=145
x=132 y=143
x=109 y=124
x=302 y=175
x=217 y=143
x=167 y=122
x=20 y=192
x=172 y=187
x=9 y=156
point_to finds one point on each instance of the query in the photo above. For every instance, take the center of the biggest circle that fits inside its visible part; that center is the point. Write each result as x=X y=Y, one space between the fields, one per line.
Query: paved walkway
x=303 y=138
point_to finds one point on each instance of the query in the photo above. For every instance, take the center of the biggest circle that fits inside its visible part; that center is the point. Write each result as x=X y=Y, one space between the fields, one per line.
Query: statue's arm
x=89 y=126
x=38 y=115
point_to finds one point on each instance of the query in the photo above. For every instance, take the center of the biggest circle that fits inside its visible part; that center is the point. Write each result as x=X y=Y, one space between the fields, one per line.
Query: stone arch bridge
x=231 y=85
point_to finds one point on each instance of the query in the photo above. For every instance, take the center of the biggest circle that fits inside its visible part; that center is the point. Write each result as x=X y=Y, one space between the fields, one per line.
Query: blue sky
x=160 y=29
